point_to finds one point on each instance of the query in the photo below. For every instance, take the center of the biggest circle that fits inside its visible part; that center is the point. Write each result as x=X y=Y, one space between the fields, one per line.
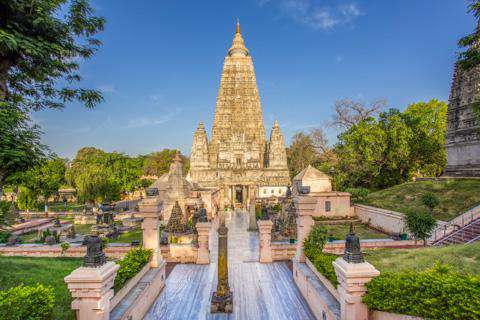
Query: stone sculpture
x=352 y=253
x=175 y=223
x=95 y=256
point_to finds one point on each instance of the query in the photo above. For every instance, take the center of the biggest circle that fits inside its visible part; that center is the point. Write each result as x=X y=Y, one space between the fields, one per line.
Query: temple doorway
x=239 y=194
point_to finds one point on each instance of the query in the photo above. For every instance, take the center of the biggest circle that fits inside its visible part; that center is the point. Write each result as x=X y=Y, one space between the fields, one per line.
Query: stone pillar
x=352 y=278
x=265 y=227
x=203 y=253
x=150 y=209
x=304 y=207
x=91 y=289
x=252 y=218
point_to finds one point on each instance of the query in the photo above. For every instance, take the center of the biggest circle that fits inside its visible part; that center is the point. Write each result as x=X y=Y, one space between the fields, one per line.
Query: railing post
x=203 y=253
x=265 y=228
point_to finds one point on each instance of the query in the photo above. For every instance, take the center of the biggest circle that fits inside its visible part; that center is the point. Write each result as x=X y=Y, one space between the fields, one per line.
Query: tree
x=430 y=200
x=98 y=175
x=420 y=224
x=301 y=153
x=20 y=147
x=350 y=112
x=470 y=57
x=158 y=163
x=41 y=42
x=428 y=122
x=46 y=178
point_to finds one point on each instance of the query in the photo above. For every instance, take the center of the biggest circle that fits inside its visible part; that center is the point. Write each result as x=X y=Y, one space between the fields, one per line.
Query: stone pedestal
x=352 y=278
x=252 y=219
x=91 y=289
x=150 y=209
x=265 y=227
x=304 y=207
x=203 y=253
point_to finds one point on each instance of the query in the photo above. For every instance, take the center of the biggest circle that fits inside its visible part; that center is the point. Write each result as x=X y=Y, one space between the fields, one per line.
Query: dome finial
x=238 y=26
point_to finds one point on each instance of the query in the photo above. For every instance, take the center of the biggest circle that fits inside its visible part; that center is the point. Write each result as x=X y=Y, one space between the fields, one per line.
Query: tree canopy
x=42 y=42
x=20 y=146
x=470 y=56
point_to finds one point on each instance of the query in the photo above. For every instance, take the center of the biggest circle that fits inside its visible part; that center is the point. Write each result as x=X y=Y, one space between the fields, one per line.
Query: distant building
x=238 y=159
x=463 y=125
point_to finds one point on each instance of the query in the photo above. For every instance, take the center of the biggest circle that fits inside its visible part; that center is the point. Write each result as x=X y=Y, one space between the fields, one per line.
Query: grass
x=455 y=195
x=46 y=271
x=339 y=231
x=129 y=236
x=464 y=258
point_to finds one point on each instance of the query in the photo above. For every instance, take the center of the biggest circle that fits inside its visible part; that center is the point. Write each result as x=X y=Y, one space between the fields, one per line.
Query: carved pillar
x=304 y=207
x=203 y=254
x=150 y=209
x=91 y=285
x=265 y=227
x=353 y=277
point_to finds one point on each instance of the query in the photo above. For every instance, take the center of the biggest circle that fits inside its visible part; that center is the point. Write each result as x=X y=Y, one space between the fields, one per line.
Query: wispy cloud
x=107 y=88
x=316 y=14
x=150 y=121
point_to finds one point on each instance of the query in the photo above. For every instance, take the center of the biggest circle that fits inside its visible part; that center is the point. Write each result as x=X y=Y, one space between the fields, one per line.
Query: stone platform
x=260 y=291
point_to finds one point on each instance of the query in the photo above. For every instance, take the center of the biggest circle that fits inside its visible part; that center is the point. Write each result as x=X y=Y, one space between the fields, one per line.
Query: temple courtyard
x=260 y=291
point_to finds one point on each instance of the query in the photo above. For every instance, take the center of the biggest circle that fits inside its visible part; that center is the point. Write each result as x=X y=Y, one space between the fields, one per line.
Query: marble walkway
x=261 y=291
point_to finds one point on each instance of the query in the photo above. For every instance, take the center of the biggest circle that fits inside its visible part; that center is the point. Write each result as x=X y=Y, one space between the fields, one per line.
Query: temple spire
x=238 y=26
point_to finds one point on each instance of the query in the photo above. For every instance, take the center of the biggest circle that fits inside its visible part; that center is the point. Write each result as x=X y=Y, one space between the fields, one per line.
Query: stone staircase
x=467 y=234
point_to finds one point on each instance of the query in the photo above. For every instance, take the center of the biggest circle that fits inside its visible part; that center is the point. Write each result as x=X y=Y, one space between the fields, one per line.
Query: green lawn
x=46 y=271
x=129 y=236
x=339 y=231
x=456 y=196
x=463 y=258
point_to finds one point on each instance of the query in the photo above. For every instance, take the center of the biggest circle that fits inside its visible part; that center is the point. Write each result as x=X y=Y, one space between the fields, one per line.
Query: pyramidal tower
x=463 y=124
x=238 y=159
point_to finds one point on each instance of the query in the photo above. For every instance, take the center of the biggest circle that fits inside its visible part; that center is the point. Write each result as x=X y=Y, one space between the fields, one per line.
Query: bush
x=130 y=265
x=430 y=200
x=420 y=224
x=4 y=235
x=27 y=303
x=65 y=246
x=358 y=195
x=323 y=263
x=437 y=293
x=313 y=246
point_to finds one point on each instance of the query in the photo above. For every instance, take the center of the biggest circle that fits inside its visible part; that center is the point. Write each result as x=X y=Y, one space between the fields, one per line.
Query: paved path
x=261 y=291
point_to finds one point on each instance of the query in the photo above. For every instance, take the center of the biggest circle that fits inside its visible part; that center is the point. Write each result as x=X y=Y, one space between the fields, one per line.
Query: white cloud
x=316 y=14
x=107 y=88
x=148 y=121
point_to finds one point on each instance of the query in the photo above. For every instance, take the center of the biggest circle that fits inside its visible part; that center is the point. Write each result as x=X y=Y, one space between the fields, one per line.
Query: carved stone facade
x=463 y=125
x=238 y=159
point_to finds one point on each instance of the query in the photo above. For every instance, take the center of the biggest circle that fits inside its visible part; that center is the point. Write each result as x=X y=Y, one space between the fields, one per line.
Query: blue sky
x=160 y=65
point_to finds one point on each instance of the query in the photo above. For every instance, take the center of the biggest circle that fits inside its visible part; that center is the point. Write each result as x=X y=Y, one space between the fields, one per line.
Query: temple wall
x=388 y=221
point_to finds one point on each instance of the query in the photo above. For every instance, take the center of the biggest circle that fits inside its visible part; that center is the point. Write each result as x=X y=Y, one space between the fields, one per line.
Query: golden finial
x=238 y=26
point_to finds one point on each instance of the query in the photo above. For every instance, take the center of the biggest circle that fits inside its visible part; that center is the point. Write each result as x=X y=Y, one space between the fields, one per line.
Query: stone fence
x=338 y=246
x=390 y=222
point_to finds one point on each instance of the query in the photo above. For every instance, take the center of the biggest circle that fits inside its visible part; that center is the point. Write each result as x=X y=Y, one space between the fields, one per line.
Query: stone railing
x=388 y=221
x=445 y=228
x=282 y=251
x=338 y=246
x=75 y=251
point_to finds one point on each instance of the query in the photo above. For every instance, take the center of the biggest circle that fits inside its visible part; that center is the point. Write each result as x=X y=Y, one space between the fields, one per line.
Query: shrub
x=430 y=200
x=313 y=244
x=65 y=246
x=420 y=224
x=358 y=195
x=437 y=293
x=130 y=265
x=4 y=235
x=27 y=303
x=323 y=263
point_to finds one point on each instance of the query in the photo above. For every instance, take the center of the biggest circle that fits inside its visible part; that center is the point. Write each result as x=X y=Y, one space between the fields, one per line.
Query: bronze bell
x=352 y=253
